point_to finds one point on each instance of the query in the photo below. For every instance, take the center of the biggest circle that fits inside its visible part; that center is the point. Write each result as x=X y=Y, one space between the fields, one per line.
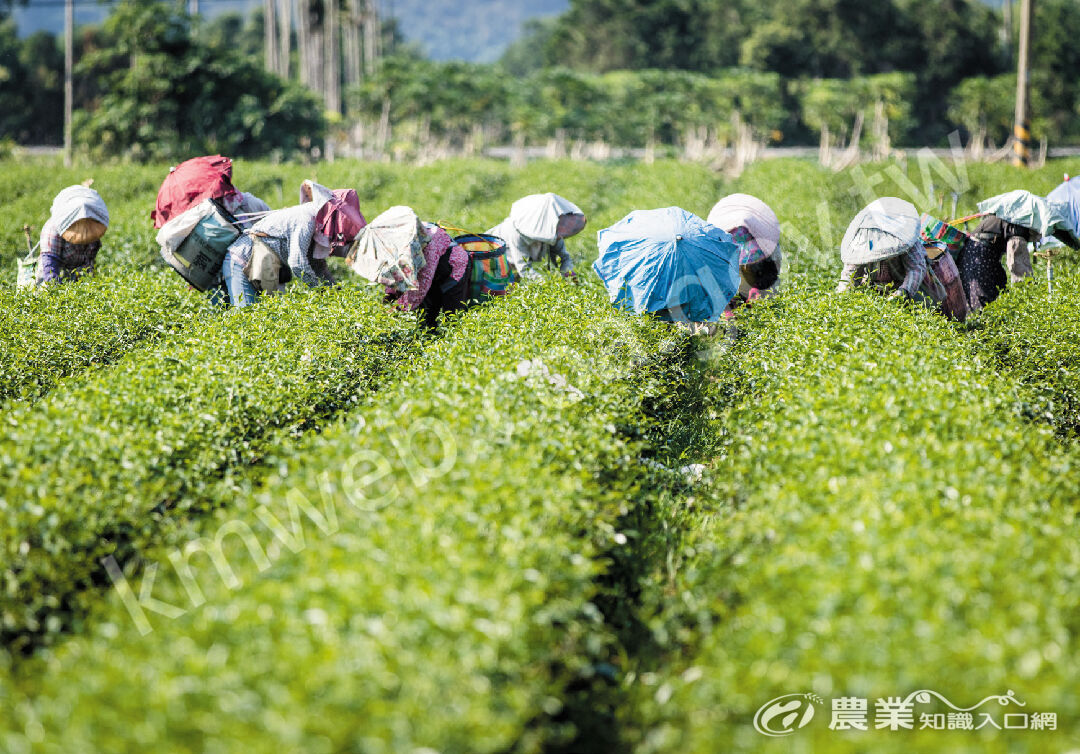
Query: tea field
x=548 y=526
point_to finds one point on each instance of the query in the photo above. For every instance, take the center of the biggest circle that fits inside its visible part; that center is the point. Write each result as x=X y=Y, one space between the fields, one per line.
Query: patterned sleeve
x=915 y=271
x=49 y=266
x=301 y=234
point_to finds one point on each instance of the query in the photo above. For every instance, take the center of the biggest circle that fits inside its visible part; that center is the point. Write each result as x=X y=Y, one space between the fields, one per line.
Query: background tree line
x=153 y=82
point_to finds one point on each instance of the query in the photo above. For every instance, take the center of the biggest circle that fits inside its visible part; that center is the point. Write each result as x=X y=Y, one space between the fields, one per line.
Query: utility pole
x=1022 y=123
x=69 y=84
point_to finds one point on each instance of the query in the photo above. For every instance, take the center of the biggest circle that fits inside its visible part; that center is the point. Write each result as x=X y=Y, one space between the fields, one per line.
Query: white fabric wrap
x=77 y=203
x=885 y=228
x=537 y=216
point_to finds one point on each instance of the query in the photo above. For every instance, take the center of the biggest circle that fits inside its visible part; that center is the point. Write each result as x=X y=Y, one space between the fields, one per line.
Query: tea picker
x=418 y=264
x=756 y=229
x=199 y=214
x=537 y=229
x=294 y=242
x=883 y=249
x=1018 y=218
x=671 y=263
x=71 y=238
x=1067 y=194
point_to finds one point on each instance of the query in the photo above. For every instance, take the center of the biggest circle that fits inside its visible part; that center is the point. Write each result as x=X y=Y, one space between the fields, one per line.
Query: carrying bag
x=195 y=242
x=490 y=271
x=28 y=265
x=264 y=268
x=943 y=235
x=27 y=277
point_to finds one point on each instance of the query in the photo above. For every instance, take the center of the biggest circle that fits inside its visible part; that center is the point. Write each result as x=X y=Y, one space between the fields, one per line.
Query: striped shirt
x=290 y=234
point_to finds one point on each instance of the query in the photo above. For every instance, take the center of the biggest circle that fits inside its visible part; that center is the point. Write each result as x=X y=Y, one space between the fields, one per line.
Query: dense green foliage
x=104 y=465
x=31 y=80
x=64 y=329
x=448 y=599
x=162 y=92
x=512 y=567
x=624 y=108
x=1034 y=332
x=941 y=43
x=883 y=521
x=150 y=85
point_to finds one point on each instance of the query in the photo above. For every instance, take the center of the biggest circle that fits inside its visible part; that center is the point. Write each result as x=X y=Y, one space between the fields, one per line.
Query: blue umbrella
x=668 y=261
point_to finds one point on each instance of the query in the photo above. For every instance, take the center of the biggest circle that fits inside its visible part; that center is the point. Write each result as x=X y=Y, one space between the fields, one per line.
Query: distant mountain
x=475 y=30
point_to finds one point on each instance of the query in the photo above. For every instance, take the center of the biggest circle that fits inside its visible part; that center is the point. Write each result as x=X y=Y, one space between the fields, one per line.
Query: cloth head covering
x=75 y=204
x=310 y=191
x=189 y=183
x=1068 y=194
x=339 y=219
x=746 y=211
x=885 y=228
x=390 y=250
x=537 y=216
x=1044 y=216
x=668 y=259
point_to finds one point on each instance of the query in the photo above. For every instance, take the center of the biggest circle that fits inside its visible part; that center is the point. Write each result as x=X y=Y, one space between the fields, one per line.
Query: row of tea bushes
x=104 y=466
x=421 y=577
x=49 y=334
x=888 y=524
x=1035 y=335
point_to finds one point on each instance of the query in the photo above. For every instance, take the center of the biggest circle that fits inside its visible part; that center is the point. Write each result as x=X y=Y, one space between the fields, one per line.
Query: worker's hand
x=571 y=276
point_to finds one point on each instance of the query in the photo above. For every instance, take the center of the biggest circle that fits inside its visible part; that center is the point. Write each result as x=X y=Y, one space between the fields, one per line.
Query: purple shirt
x=62 y=260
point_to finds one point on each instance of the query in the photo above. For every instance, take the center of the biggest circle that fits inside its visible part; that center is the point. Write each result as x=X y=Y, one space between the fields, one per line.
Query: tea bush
x=1034 y=335
x=104 y=466
x=446 y=600
x=58 y=331
x=887 y=522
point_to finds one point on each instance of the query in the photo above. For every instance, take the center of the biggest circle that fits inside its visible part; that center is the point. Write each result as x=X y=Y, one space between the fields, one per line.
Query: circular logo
x=785 y=714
